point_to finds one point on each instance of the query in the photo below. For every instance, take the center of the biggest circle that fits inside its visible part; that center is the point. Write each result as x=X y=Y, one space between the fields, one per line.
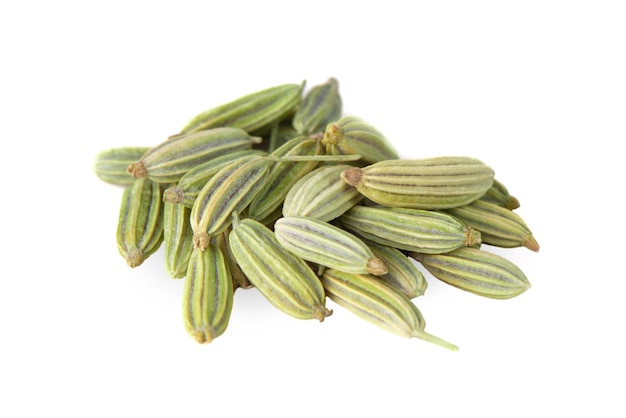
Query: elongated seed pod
x=208 y=295
x=497 y=225
x=252 y=112
x=402 y=273
x=378 y=303
x=476 y=271
x=177 y=239
x=321 y=194
x=283 y=175
x=230 y=190
x=110 y=165
x=327 y=245
x=170 y=160
x=284 y=279
x=351 y=135
x=319 y=107
x=140 y=222
x=190 y=185
x=431 y=183
x=425 y=231
x=499 y=194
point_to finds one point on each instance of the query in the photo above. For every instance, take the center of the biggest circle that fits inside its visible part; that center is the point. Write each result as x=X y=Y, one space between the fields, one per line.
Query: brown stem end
x=376 y=266
x=137 y=170
x=352 y=176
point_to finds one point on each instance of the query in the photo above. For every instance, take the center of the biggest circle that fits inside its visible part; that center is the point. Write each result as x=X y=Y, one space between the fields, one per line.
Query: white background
x=536 y=89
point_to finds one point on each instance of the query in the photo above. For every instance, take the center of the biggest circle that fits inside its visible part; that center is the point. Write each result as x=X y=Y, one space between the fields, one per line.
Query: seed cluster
x=280 y=192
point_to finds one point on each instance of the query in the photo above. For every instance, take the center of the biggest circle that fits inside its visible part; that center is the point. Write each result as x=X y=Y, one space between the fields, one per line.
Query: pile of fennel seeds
x=279 y=192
